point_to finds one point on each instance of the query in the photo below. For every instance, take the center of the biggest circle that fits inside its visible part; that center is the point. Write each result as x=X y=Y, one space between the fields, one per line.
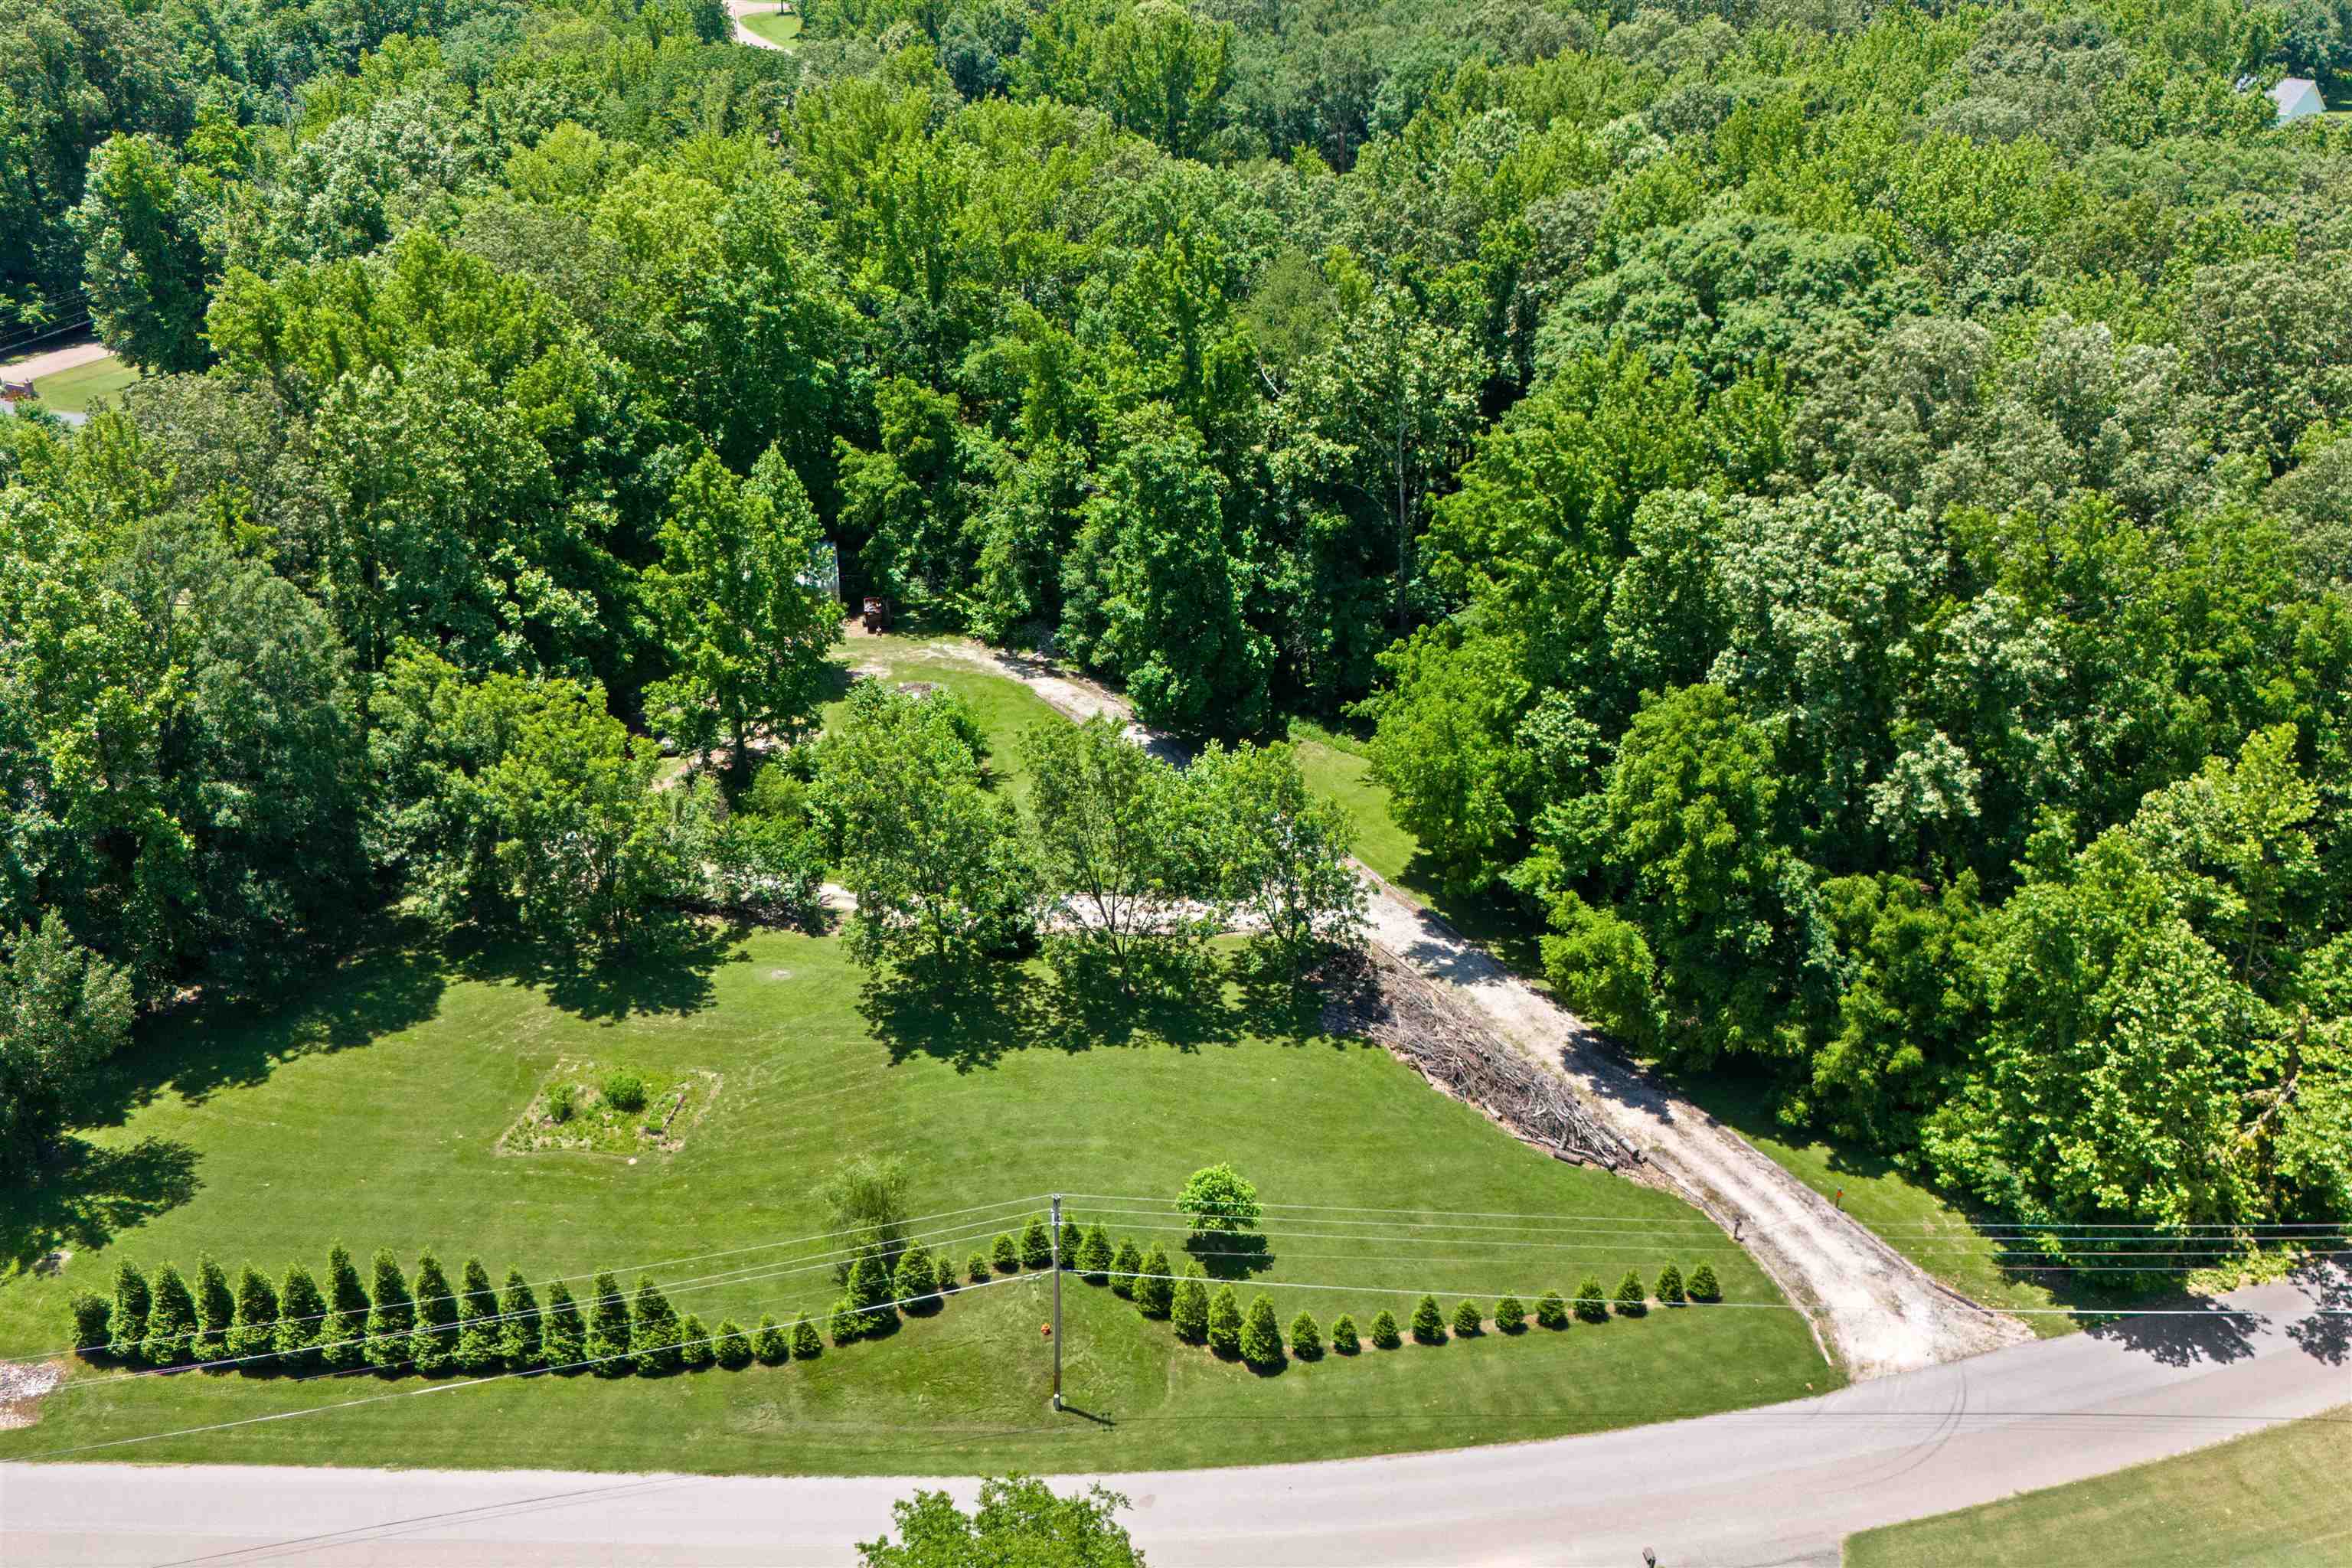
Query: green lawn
x=75 y=391
x=369 y=1113
x=1003 y=706
x=776 y=27
x=2277 y=1497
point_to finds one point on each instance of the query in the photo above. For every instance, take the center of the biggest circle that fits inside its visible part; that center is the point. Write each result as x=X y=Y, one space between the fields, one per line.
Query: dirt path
x=739 y=9
x=1871 y=1308
x=32 y=367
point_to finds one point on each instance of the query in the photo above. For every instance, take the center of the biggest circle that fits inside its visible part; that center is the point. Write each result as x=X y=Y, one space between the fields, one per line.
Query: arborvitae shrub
x=254 y=1331
x=1071 y=1241
x=695 y=1349
x=1261 y=1338
x=1225 y=1322
x=1552 y=1311
x=564 y=1340
x=170 y=1320
x=653 y=1330
x=1187 y=1308
x=1125 y=1265
x=215 y=1310
x=869 y=1294
x=392 y=1314
x=768 y=1342
x=1006 y=1255
x=975 y=1267
x=344 y=1344
x=1343 y=1335
x=1510 y=1315
x=1428 y=1322
x=1703 y=1287
x=91 y=1314
x=1155 y=1290
x=807 y=1344
x=519 y=1334
x=943 y=1274
x=302 y=1319
x=1633 y=1297
x=1670 y=1285
x=1306 y=1337
x=1094 y=1256
x=1467 y=1318
x=1384 y=1330
x=437 y=1319
x=733 y=1350
x=914 y=1283
x=478 y=1321
x=845 y=1322
x=127 y=1323
x=608 y=1329
x=1592 y=1301
x=1037 y=1245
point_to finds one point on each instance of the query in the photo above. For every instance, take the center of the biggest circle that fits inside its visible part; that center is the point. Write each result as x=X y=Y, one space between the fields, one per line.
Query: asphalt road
x=1779 y=1485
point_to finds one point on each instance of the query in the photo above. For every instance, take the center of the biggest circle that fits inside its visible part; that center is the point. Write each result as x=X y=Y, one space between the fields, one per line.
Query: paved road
x=739 y=9
x=1779 y=1485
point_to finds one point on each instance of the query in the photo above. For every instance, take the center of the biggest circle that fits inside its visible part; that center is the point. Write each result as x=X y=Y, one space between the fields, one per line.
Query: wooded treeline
x=1839 y=509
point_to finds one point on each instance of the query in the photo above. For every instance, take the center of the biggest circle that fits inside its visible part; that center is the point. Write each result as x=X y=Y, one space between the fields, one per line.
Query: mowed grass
x=369 y=1113
x=79 y=390
x=2276 y=1498
x=777 y=26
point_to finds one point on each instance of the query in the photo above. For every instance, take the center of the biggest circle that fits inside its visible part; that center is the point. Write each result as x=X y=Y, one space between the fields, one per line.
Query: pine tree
x=1703 y=1287
x=477 y=1320
x=975 y=1267
x=435 y=1338
x=91 y=1313
x=1592 y=1301
x=1510 y=1315
x=1384 y=1330
x=1261 y=1336
x=1225 y=1322
x=807 y=1344
x=1306 y=1337
x=733 y=1350
x=869 y=1294
x=1037 y=1246
x=1071 y=1241
x=1006 y=1255
x=1155 y=1290
x=170 y=1320
x=1189 y=1307
x=697 y=1347
x=1632 y=1298
x=1467 y=1318
x=1670 y=1285
x=653 y=1330
x=1343 y=1335
x=914 y=1283
x=768 y=1343
x=1428 y=1323
x=1094 y=1256
x=1125 y=1265
x=344 y=1344
x=608 y=1346
x=215 y=1310
x=943 y=1277
x=845 y=1322
x=564 y=1341
x=127 y=1322
x=391 y=1315
x=253 y=1334
x=302 y=1319
x=519 y=1331
x=1552 y=1311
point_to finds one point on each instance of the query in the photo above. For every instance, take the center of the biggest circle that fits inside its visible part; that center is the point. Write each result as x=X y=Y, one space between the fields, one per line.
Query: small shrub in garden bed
x=1467 y=1318
x=1592 y=1301
x=1343 y=1335
x=1552 y=1312
x=770 y=1345
x=733 y=1350
x=1703 y=1287
x=1384 y=1330
x=1670 y=1285
x=1633 y=1299
x=561 y=1102
x=1306 y=1337
x=1428 y=1323
x=623 y=1091
x=1510 y=1315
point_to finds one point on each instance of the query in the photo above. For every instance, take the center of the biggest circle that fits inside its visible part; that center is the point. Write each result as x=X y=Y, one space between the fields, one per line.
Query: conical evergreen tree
x=1307 y=1338
x=1552 y=1312
x=563 y=1337
x=1125 y=1265
x=807 y=1344
x=391 y=1315
x=1094 y=1256
x=696 y=1346
x=1261 y=1335
x=1633 y=1297
x=215 y=1310
x=1225 y=1322
x=126 y=1323
x=1467 y=1318
x=1670 y=1285
x=302 y=1319
x=914 y=1283
x=344 y=1344
x=1384 y=1330
x=1072 y=1239
x=1428 y=1323
x=733 y=1350
x=1006 y=1255
x=1343 y=1335
x=845 y=1322
x=253 y=1334
x=654 y=1331
x=1037 y=1245
x=1189 y=1309
x=869 y=1295
x=91 y=1313
x=519 y=1334
x=171 y=1322
x=435 y=1338
x=1510 y=1315
x=1155 y=1290
x=1703 y=1287
x=770 y=1345
x=975 y=1267
x=1592 y=1301
x=478 y=1348
x=608 y=1329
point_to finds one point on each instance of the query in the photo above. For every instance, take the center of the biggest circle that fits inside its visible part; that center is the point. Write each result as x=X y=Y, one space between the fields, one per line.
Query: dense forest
x=1841 y=512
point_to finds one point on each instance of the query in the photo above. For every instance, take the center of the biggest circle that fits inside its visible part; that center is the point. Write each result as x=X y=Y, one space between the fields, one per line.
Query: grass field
x=78 y=390
x=2276 y=1498
x=777 y=26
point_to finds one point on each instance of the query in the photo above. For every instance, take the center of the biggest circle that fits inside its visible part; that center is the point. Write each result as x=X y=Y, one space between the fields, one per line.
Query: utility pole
x=1056 y=1234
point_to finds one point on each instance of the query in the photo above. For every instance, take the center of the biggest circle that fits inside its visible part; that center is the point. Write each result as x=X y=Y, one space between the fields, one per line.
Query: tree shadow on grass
x=666 y=969
x=968 y=1017
x=1230 y=1255
x=85 y=1195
